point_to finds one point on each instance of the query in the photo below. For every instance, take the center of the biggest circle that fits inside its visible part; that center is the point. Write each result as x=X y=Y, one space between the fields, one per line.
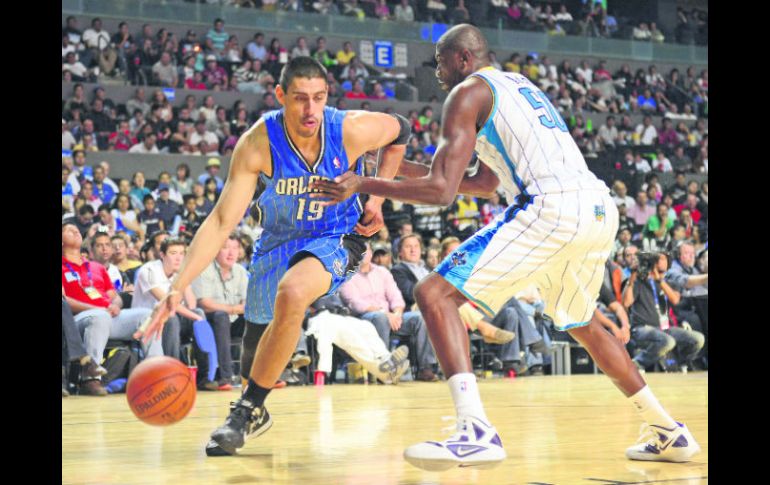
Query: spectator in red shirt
x=96 y=305
x=122 y=139
x=195 y=82
x=690 y=203
x=358 y=90
x=601 y=73
x=667 y=135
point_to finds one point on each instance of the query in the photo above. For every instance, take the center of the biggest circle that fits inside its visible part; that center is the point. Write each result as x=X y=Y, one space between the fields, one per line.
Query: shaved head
x=464 y=36
x=460 y=52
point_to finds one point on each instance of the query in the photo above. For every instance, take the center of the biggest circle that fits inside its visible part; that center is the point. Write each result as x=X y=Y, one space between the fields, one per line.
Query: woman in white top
x=182 y=181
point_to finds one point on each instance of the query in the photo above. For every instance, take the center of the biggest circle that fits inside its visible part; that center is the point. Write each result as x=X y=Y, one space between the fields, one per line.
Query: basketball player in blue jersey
x=557 y=234
x=306 y=249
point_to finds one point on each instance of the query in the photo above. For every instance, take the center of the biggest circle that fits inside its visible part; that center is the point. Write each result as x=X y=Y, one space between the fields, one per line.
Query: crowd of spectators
x=122 y=224
x=148 y=123
x=554 y=18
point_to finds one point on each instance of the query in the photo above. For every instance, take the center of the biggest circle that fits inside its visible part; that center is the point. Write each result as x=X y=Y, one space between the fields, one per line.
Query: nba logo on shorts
x=458 y=259
x=463 y=386
x=336 y=162
x=599 y=212
x=337 y=266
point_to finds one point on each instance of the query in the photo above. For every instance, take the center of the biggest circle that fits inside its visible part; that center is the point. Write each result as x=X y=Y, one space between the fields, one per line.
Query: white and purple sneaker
x=663 y=444
x=475 y=443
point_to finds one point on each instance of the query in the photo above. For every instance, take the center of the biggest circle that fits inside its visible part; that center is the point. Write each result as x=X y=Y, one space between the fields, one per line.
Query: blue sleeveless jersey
x=285 y=207
x=293 y=222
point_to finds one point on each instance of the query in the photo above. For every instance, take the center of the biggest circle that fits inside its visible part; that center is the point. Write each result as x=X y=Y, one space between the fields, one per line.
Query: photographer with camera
x=690 y=277
x=648 y=299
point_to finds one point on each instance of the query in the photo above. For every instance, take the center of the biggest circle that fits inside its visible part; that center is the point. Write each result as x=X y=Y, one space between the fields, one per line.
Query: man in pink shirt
x=641 y=211
x=372 y=294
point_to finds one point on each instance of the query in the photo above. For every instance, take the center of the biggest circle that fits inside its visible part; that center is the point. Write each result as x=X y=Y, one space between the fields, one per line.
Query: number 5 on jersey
x=314 y=210
x=538 y=100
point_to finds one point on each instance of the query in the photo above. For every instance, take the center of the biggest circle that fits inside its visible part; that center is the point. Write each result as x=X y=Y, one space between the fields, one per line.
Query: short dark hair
x=172 y=241
x=85 y=209
x=380 y=252
x=155 y=234
x=97 y=235
x=301 y=66
x=148 y=197
x=104 y=207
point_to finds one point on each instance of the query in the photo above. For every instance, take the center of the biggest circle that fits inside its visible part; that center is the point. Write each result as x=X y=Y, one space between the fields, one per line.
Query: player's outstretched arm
x=482 y=184
x=250 y=157
x=365 y=131
x=461 y=115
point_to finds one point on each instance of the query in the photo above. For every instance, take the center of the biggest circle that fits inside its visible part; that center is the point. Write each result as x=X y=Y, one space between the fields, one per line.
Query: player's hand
x=162 y=311
x=372 y=220
x=338 y=190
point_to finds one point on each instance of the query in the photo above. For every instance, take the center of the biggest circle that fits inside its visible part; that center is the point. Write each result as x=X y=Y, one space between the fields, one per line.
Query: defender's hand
x=371 y=221
x=338 y=190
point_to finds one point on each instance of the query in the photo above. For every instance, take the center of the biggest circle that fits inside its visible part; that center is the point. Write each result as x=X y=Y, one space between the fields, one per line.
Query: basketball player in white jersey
x=558 y=233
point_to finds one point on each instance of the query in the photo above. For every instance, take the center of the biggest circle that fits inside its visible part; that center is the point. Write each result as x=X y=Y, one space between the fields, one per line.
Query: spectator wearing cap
x=169 y=210
x=164 y=178
x=212 y=171
x=214 y=75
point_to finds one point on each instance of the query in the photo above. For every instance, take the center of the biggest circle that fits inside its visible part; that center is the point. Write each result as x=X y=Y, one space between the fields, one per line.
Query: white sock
x=465 y=394
x=650 y=409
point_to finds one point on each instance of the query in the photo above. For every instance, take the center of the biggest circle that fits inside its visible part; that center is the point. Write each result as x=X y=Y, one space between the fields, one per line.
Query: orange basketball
x=160 y=391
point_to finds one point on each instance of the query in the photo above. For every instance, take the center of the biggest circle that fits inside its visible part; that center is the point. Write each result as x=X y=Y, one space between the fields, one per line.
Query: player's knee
x=427 y=292
x=291 y=296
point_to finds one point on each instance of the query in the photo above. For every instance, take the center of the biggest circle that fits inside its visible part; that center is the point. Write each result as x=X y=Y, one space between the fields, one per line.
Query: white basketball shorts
x=560 y=242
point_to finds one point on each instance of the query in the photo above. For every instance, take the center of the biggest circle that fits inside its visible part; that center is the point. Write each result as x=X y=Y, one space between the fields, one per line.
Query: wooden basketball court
x=556 y=429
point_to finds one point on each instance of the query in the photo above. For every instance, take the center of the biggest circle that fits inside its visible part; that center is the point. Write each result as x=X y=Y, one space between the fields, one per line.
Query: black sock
x=255 y=393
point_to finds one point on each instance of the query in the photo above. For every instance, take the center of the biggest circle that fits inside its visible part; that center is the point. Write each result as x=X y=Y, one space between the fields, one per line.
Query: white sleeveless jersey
x=526 y=142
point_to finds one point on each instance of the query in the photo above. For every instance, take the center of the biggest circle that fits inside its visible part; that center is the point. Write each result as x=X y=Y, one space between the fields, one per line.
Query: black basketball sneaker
x=245 y=421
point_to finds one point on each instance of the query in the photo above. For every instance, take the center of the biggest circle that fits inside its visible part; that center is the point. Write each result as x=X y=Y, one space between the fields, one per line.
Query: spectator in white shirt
x=662 y=163
x=95 y=37
x=641 y=165
x=146 y=146
x=647 y=132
